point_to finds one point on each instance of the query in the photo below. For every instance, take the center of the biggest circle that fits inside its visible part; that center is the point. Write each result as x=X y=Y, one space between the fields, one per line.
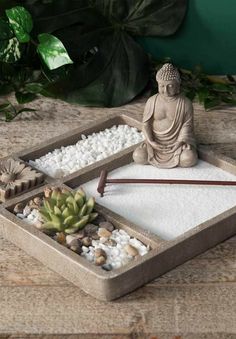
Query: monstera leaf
x=110 y=68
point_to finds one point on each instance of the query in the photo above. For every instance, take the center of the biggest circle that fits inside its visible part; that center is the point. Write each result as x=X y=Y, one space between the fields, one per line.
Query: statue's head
x=168 y=79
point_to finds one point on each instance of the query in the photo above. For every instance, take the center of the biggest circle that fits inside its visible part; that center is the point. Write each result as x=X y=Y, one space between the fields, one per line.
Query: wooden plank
x=151 y=309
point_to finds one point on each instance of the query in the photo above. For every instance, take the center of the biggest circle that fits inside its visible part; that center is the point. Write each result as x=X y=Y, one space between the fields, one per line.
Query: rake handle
x=103 y=181
x=171 y=181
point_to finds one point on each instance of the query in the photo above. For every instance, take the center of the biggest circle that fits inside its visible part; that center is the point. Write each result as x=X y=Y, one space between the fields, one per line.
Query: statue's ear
x=149 y=108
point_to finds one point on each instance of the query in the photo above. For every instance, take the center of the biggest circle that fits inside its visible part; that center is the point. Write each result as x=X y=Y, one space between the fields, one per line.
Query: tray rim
x=145 y=267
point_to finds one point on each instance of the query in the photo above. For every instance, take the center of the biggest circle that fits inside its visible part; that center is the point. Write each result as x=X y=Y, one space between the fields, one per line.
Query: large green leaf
x=149 y=17
x=57 y=14
x=110 y=68
x=9 y=45
x=114 y=76
x=21 y=22
x=52 y=51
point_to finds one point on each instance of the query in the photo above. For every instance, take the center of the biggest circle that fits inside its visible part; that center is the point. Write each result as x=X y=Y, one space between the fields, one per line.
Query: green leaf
x=21 y=22
x=11 y=112
x=202 y=94
x=34 y=87
x=8 y=110
x=59 y=14
x=211 y=103
x=9 y=45
x=149 y=17
x=4 y=106
x=110 y=68
x=24 y=97
x=190 y=94
x=230 y=101
x=114 y=76
x=220 y=87
x=52 y=51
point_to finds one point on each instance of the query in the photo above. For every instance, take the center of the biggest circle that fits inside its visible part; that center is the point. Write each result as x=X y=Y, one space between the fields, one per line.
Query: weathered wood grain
x=191 y=309
x=55 y=117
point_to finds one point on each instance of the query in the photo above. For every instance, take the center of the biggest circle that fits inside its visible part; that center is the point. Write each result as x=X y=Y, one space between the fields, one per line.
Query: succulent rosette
x=65 y=211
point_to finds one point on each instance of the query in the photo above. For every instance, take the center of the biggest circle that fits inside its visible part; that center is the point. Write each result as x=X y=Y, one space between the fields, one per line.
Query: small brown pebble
x=47 y=192
x=60 y=237
x=70 y=238
x=131 y=250
x=37 y=201
x=107 y=225
x=76 y=248
x=80 y=234
x=111 y=242
x=30 y=203
x=99 y=252
x=19 y=208
x=100 y=261
x=95 y=236
x=86 y=241
x=33 y=206
x=99 y=219
x=90 y=229
x=103 y=232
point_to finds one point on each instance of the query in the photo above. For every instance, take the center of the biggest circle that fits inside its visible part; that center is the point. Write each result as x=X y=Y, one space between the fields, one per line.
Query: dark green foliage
x=110 y=68
x=211 y=91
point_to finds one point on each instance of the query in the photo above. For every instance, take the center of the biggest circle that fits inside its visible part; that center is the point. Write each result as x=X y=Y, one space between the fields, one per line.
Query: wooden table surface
x=194 y=301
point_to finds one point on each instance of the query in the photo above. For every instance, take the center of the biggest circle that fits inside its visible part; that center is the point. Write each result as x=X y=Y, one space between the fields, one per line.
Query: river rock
x=19 y=208
x=86 y=241
x=103 y=232
x=60 y=237
x=76 y=248
x=131 y=250
x=100 y=261
x=107 y=225
x=37 y=201
x=107 y=267
x=99 y=252
x=80 y=234
x=90 y=229
x=70 y=238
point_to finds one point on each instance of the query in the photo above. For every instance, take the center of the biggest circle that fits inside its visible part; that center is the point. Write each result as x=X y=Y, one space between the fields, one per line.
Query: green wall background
x=206 y=37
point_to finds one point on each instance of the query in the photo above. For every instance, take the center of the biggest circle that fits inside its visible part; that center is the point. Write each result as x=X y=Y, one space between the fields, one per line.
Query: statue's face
x=168 y=88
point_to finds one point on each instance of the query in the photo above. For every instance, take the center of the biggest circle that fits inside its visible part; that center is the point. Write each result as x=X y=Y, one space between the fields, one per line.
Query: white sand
x=166 y=210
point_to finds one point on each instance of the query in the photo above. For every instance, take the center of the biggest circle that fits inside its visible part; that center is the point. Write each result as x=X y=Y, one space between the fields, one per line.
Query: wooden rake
x=103 y=181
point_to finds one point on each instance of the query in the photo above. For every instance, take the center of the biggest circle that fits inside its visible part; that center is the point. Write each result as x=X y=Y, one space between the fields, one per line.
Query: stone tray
x=163 y=256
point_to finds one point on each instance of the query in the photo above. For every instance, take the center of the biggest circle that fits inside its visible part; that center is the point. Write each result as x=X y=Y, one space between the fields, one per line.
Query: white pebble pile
x=117 y=256
x=88 y=150
x=30 y=216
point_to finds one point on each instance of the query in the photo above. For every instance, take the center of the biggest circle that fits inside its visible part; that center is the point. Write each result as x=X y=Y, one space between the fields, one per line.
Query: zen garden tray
x=197 y=218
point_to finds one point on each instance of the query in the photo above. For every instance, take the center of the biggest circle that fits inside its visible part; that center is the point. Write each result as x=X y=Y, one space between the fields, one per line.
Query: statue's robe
x=181 y=130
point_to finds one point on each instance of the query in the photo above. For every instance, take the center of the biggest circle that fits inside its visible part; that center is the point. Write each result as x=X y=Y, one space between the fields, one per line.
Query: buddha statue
x=167 y=125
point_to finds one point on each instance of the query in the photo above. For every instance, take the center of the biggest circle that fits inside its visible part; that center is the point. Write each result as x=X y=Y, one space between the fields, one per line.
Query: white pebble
x=89 y=149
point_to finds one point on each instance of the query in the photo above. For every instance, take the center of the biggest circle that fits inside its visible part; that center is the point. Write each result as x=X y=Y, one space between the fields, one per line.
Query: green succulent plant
x=65 y=211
